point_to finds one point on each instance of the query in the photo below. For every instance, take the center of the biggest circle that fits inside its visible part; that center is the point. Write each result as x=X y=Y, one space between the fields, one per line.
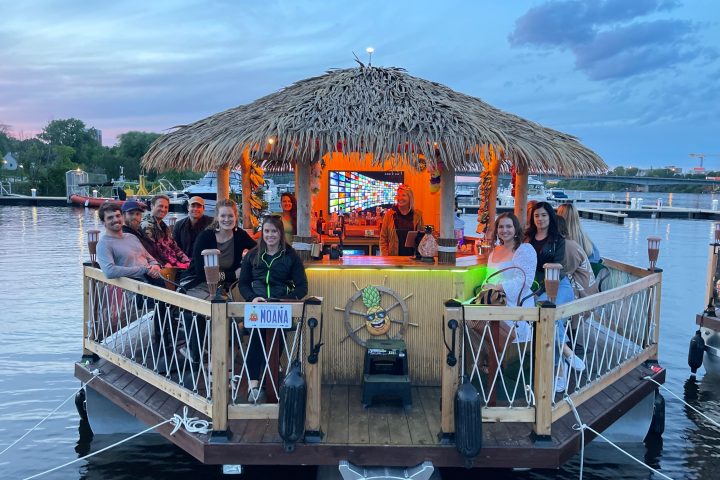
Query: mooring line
x=95 y=373
x=683 y=401
x=580 y=426
x=191 y=424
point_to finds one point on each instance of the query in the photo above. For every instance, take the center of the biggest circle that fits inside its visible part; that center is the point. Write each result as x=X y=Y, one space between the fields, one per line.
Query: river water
x=41 y=253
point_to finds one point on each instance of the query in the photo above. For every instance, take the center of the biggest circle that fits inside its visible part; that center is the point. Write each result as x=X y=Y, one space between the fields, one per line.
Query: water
x=41 y=253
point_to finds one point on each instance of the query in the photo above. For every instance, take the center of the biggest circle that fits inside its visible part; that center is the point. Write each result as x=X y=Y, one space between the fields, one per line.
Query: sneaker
x=255 y=395
x=576 y=363
x=561 y=379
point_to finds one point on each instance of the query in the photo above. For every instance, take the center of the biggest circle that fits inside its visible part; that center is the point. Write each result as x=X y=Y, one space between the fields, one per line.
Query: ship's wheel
x=375 y=311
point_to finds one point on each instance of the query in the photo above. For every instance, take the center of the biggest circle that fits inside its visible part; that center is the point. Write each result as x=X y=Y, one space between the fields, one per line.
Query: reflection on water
x=41 y=253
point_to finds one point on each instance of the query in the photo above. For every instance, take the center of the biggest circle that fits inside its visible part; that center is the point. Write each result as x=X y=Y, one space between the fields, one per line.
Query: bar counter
x=411 y=293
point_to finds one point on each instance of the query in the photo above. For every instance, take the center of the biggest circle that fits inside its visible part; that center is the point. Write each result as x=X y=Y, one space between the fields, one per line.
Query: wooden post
x=521 y=194
x=449 y=374
x=544 y=371
x=86 y=311
x=303 y=238
x=313 y=374
x=246 y=189
x=447 y=242
x=492 y=201
x=220 y=342
x=223 y=182
x=656 y=336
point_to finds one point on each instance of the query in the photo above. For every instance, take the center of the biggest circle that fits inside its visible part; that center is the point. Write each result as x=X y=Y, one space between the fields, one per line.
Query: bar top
x=364 y=261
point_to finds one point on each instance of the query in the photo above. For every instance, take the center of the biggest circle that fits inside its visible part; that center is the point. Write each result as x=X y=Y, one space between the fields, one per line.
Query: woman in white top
x=511 y=252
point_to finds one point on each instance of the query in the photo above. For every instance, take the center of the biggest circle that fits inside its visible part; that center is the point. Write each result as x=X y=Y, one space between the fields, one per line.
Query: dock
x=25 y=200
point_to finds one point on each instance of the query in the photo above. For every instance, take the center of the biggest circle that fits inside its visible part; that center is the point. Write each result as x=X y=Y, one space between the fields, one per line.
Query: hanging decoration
x=257 y=195
x=484 y=188
x=435 y=177
x=513 y=177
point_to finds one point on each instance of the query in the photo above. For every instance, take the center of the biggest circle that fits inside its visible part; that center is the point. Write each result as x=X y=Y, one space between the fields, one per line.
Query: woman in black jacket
x=549 y=245
x=222 y=234
x=272 y=270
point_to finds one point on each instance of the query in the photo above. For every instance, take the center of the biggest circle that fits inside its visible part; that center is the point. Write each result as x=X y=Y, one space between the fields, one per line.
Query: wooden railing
x=191 y=348
x=510 y=354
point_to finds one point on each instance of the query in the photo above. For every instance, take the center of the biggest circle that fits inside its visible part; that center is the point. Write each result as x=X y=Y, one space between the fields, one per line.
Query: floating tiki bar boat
x=395 y=373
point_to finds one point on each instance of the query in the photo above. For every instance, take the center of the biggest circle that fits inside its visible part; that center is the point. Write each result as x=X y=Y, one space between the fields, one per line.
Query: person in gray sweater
x=121 y=254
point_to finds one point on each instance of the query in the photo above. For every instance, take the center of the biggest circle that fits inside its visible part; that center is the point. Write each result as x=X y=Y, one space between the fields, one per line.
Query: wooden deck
x=379 y=435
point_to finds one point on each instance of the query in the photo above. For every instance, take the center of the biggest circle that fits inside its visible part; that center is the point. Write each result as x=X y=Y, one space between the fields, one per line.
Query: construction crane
x=702 y=156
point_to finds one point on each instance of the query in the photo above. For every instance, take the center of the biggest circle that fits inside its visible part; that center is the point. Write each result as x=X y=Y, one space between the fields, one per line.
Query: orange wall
x=427 y=203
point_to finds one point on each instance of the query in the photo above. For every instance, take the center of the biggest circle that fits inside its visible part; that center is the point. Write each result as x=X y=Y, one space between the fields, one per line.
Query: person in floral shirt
x=170 y=254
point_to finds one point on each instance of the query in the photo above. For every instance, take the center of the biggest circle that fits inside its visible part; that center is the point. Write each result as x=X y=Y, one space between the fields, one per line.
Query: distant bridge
x=644 y=182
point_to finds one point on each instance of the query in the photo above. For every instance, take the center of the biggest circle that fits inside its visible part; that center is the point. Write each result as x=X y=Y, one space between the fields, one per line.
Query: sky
x=635 y=80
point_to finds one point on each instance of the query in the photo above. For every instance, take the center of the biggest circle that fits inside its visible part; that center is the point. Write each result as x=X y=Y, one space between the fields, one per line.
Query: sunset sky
x=635 y=80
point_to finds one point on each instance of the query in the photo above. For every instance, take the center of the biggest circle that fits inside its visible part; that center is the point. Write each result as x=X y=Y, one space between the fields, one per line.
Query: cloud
x=607 y=38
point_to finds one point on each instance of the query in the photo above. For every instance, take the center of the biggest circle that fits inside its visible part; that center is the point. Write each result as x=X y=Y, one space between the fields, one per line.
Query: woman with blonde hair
x=398 y=221
x=575 y=231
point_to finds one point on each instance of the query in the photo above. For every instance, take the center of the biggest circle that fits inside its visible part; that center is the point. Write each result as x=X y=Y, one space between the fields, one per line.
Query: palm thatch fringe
x=402 y=120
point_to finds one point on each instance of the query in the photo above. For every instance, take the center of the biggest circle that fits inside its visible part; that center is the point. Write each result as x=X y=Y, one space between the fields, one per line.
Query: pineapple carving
x=376 y=320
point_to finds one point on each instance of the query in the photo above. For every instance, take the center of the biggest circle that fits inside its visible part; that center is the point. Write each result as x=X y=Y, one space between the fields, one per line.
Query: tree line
x=594 y=185
x=69 y=144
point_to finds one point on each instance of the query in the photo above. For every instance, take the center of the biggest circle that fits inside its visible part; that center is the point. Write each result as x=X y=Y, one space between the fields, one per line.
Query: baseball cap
x=196 y=199
x=132 y=205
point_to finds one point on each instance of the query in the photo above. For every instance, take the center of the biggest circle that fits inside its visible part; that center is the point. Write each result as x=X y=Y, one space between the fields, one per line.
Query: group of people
x=265 y=269
x=549 y=237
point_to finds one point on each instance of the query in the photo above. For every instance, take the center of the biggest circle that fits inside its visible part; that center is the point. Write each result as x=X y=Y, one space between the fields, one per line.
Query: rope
x=683 y=401
x=581 y=427
x=191 y=424
x=95 y=373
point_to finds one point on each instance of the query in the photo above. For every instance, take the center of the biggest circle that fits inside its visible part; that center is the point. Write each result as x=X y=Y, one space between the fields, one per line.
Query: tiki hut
x=383 y=117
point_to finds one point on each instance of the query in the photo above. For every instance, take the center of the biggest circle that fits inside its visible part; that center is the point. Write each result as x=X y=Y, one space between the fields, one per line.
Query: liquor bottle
x=320 y=226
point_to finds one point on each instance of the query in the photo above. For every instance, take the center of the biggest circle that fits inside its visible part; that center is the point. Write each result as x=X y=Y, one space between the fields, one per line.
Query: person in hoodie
x=272 y=270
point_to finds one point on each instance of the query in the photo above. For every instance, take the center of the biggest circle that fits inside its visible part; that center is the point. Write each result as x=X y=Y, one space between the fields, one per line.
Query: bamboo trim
x=220 y=351
x=543 y=379
x=578 y=398
x=604 y=298
x=171 y=388
x=508 y=415
x=265 y=411
x=626 y=267
x=710 y=282
x=180 y=300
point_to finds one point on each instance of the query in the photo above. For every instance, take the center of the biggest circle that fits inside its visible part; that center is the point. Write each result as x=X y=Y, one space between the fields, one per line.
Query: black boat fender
x=468 y=421
x=291 y=415
x=657 y=425
x=696 y=352
x=80 y=404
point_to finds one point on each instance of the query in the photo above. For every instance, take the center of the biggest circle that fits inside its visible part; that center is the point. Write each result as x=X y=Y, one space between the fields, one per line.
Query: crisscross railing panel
x=156 y=334
x=608 y=331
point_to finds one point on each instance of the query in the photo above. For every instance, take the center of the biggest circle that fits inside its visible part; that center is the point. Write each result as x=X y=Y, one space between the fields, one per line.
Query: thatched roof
x=383 y=111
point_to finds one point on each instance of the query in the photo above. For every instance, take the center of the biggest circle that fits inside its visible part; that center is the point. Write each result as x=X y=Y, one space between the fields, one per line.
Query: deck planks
x=381 y=434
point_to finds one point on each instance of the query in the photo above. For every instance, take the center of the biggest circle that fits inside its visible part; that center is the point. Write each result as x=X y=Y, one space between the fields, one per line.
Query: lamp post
x=654 y=250
x=552 y=280
x=92 y=240
x=212 y=268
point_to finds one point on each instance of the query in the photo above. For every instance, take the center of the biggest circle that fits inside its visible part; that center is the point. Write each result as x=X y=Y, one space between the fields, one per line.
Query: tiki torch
x=92 y=240
x=552 y=280
x=212 y=268
x=654 y=250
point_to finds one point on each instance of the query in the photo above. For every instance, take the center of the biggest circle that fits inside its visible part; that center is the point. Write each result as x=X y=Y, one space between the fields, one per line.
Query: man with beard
x=132 y=214
x=121 y=254
x=188 y=229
